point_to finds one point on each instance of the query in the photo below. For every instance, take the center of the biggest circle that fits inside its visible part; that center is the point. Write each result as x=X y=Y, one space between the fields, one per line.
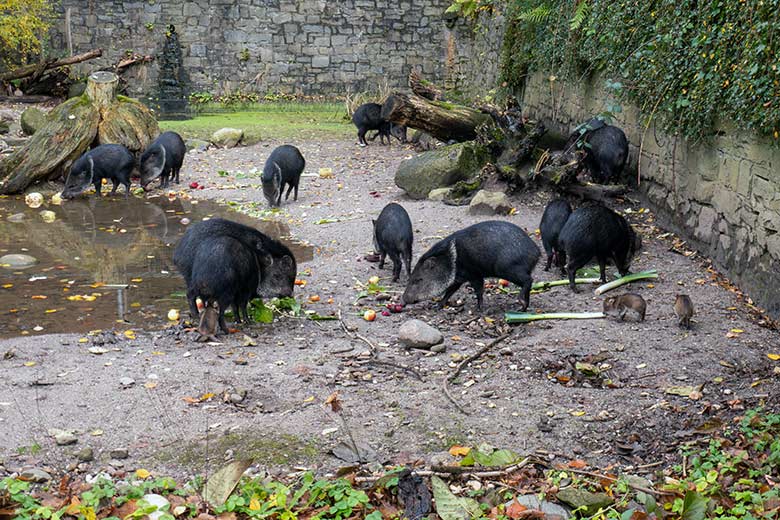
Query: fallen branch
x=374 y=355
x=448 y=471
x=33 y=100
x=132 y=60
x=462 y=365
x=615 y=479
x=29 y=70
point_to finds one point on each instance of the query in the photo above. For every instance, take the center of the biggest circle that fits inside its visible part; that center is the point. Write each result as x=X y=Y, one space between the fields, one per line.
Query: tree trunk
x=29 y=70
x=97 y=117
x=424 y=88
x=444 y=121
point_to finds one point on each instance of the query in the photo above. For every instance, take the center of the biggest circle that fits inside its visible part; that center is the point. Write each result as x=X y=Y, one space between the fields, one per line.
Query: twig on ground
x=449 y=471
x=374 y=355
x=615 y=479
x=462 y=365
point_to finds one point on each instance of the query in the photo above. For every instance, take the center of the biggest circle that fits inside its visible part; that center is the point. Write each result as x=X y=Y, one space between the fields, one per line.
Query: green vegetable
x=644 y=275
x=525 y=317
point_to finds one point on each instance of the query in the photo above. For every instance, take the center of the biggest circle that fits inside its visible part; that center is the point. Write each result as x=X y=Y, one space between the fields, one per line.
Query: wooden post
x=101 y=88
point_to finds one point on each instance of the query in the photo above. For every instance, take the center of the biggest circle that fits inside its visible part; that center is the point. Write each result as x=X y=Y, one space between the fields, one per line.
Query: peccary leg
x=176 y=175
x=236 y=312
x=127 y=188
x=603 y=269
x=549 y=261
x=362 y=137
x=382 y=257
x=478 y=284
x=222 y=324
x=295 y=197
x=191 y=297
x=524 y=282
x=97 y=187
x=289 y=189
x=452 y=289
x=116 y=185
x=571 y=268
x=396 y=266
x=408 y=261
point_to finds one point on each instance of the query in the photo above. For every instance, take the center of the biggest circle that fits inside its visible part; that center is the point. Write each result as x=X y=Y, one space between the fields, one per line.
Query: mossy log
x=96 y=117
x=444 y=121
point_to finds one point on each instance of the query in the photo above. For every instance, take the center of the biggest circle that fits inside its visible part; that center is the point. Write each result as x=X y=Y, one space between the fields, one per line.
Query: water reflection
x=103 y=262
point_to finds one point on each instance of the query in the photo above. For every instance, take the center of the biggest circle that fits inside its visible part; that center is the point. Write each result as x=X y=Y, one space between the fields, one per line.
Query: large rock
x=439 y=194
x=490 y=203
x=227 y=137
x=418 y=334
x=17 y=261
x=440 y=168
x=32 y=120
x=197 y=144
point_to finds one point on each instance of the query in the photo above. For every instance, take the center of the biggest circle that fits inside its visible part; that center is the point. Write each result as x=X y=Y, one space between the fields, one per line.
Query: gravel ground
x=523 y=394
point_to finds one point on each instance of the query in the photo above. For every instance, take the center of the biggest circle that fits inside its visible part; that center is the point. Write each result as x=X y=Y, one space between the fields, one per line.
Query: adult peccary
x=224 y=271
x=368 y=116
x=107 y=161
x=277 y=263
x=283 y=167
x=162 y=159
x=393 y=236
x=596 y=231
x=555 y=216
x=489 y=249
x=605 y=147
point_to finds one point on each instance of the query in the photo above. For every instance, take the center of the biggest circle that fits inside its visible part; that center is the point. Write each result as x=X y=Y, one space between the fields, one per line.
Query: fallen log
x=29 y=70
x=444 y=121
x=132 y=60
x=424 y=88
x=96 y=117
x=597 y=192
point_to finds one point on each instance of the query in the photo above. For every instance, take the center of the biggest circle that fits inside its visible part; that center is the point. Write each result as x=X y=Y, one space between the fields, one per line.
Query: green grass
x=270 y=121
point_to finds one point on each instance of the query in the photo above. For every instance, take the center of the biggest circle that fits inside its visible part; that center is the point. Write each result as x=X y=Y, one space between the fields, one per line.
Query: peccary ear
x=265 y=260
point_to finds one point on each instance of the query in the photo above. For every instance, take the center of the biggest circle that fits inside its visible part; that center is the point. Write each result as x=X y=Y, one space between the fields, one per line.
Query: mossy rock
x=440 y=168
x=32 y=120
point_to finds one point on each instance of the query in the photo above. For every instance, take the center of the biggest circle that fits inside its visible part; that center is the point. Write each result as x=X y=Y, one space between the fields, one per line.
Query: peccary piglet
x=596 y=231
x=283 y=167
x=225 y=271
x=683 y=308
x=369 y=117
x=489 y=249
x=209 y=321
x=393 y=236
x=555 y=216
x=107 y=161
x=277 y=263
x=606 y=151
x=162 y=159
x=626 y=307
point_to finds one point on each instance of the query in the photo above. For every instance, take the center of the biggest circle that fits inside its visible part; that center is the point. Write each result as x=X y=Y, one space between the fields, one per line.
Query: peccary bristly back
x=283 y=167
x=489 y=249
x=606 y=149
x=393 y=235
x=596 y=231
x=555 y=216
x=277 y=263
x=224 y=271
x=368 y=116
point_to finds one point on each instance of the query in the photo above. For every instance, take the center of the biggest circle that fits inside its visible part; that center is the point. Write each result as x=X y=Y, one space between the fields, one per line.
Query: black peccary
x=393 y=236
x=626 y=307
x=277 y=263
x=555 y=216
x=605 y=146
x=283 y=167
x=107 y=161
x=596 y=231
x=162 y=159
x=368 y=116
x=489 y=249
x=225 y=271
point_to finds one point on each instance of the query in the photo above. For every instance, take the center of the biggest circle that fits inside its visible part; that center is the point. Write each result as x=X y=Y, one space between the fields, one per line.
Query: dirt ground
x=523 y=394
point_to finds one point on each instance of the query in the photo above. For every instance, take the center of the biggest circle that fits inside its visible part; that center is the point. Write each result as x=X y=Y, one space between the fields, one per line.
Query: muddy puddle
x=102 y=263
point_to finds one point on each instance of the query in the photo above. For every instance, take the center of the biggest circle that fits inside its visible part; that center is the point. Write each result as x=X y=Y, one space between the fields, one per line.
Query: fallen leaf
x=30 y=364
x=773 y=357
x=142 y=473
x=459 y=451
x=39 y=297
x=577 y=464
x=149 y=385
x=222 y=483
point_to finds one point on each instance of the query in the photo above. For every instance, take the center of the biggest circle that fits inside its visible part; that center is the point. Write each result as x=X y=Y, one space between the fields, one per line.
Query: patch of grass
x=270 y=121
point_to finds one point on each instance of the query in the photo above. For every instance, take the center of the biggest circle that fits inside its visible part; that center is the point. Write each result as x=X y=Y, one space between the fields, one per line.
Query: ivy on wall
x=686 y=63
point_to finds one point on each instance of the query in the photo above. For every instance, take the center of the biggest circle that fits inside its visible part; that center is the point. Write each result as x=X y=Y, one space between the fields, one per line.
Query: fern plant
x=535 y=15
x=580 y=15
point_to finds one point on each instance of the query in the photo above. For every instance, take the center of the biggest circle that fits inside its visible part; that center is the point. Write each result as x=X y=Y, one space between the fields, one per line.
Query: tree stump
x=96 y=117
x=444 y=121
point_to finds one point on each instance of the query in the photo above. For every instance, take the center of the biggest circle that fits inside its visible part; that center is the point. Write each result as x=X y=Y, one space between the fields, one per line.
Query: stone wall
x=724 y=195
x=289 y=46
x=477 y=52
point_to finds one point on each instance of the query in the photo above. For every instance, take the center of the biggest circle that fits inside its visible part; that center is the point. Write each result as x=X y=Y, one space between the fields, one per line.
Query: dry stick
x=462 y=365
x=615 y=479
x=374 y=359
x=448 y=471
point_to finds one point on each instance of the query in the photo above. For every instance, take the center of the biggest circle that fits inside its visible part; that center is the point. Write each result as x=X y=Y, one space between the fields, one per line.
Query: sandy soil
x=522 y=395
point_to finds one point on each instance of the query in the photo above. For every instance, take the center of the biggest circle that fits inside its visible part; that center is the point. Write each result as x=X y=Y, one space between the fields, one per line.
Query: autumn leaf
x=514 y=510
x=334 y=402
x=150 y=385
x=773 y=357
x=459 y=451
x=142 y=473
x=577 y=464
